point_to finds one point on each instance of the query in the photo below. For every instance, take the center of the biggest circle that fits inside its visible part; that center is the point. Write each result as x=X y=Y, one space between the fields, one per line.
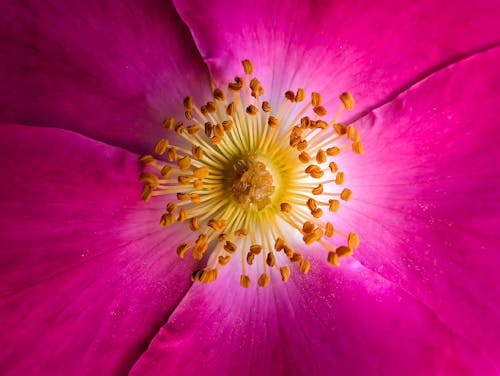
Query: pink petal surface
x=112 y=71
x=347 y=321
x=426 y=200
x=85 y=275
x=370 y=48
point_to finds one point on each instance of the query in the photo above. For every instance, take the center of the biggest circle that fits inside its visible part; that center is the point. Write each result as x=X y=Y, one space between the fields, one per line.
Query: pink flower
x=91 y=284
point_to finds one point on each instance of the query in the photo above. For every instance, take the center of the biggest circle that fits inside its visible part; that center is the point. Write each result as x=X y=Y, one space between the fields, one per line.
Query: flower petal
x=111 y=72
x=428 y=206
x=372 y=49
x=332 y=321
x=85 y=275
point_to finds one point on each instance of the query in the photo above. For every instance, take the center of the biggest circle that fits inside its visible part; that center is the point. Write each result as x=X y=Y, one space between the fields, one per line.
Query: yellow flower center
x=243 y=176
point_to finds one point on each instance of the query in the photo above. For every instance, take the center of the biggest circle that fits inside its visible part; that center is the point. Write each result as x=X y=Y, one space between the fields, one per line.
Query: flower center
x=242 y=178
x=252 y=184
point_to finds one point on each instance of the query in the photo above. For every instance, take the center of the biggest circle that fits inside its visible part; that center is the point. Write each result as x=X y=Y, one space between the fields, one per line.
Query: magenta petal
x=86 y=277
x=371 y=48
x=347 y=321
x=427 y=201
x=110 y=71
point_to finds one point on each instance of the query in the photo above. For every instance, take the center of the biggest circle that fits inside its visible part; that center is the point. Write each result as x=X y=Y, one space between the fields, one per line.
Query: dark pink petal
x=371 y=48
x=426 y=200
x=112 y=71
x=347 y=321
x=86 y=277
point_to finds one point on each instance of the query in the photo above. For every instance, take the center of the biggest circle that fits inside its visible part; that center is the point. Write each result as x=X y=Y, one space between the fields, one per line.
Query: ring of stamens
x=251 y=175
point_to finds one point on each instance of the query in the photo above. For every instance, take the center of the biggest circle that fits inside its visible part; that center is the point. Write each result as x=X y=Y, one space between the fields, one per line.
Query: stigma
x=254 y=183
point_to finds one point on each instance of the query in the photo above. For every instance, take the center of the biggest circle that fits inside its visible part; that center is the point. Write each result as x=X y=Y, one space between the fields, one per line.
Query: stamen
x=252 y=175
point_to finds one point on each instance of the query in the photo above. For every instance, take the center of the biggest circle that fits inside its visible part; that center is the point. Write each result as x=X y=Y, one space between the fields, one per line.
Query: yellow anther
x=357 y=147
x=182 y=249
x=316 y=99
x=264 y=280
x=317 y=174
x=167 y=219
x=305 y=266
x=197 y=152
x=183 y=179
x=285 y=207
x=179 y=128
x=189 y=116
x=146 y=193
x=256 y=248
x=224 y=260
x=304 y=157
x=285 y=273
x=352 y=133
x=193 y=129
x=241 y=232
x=333 y=167
x=161 y=146
x=211 y=107
x=184 y=163
x=198 y=184
x=312 y=237
x=270 y=259
x=236 y=85
x=208 y=129
x=219 y=94
x=296 y=257
x=346 y=194
x=339 y=179
x=201 y=172
x=195 y=198
x=147 y=159
x=329 y=230
x=279 y=244
x=188 y=103
x=333 y=151
x=252 y=110
x=183 y=214
x=172 y=154
x=353 y=240
x=307 y=227
x=216 y=225
x=247 y=66
x=290 y=95
x=302 y=145
x=204 y=110
x=245 y=281
x=194 y=224
x=317 y=190
x=222 y=237
x=272 y=122
x=333 y=259
x=266 y=107
x=288 y=251
x=317 y=213
x=347 y=100
x=218 y=131
x=311 y=204
x=319 y=110
x=300 y=96
x=171 y=207
x=334 y=205
x=150 y=179
x=250 y=258
x=321 y=124
x=169 y=123
x=344 y=251
x=181 y=196
x=231 y=109
x=230 y=247
x=340 y=128
x=227 y=125
x=321 y=156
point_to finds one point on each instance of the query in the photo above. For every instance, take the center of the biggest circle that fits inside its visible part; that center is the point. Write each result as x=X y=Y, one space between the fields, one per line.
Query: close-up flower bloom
x=236 y=188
